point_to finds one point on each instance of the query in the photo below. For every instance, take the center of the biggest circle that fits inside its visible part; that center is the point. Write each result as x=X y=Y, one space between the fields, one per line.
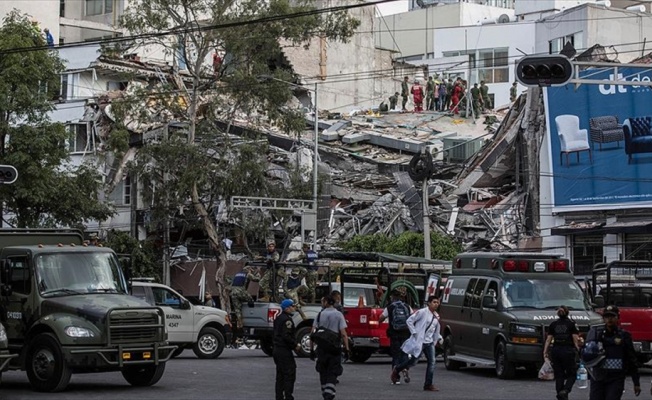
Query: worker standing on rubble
x=484 y=91
x=393 y=101
x=417 y=92
x=477 y=99
x=430 y=90
x=404 y=92
x=512 y=92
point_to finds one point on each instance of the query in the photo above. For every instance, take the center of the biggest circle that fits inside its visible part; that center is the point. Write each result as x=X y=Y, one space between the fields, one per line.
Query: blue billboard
x=600 y=141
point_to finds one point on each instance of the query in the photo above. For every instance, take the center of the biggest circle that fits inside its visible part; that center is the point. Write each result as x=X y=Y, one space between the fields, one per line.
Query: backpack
x=399 y=316
x=327 y=340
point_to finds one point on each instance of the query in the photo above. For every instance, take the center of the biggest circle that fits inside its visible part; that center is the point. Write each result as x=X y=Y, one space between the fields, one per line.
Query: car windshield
x=65 y=274
x=542 y=294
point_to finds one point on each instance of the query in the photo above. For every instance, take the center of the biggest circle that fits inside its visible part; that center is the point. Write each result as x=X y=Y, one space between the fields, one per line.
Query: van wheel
x=303 y=338
x=46 y=368
x=210 y=343
x=451 y=365
x=505 y=369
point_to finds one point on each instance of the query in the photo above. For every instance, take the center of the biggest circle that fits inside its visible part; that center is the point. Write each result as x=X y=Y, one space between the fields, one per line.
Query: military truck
x=66 y=310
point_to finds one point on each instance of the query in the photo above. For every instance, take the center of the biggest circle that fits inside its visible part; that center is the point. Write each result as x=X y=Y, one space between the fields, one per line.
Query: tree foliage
x=202 y=166
x=47 y=192
x=142 y=256
x=406 y=244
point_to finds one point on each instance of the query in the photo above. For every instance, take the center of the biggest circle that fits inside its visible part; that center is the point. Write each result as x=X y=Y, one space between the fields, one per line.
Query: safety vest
x=239 y=279
x=293 y=282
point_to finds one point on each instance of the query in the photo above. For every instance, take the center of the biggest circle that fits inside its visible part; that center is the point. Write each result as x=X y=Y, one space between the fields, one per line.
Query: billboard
x=600 y=141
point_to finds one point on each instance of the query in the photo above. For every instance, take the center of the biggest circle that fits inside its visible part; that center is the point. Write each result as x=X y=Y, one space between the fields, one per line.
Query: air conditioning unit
x=461 y=148
x=436 y=150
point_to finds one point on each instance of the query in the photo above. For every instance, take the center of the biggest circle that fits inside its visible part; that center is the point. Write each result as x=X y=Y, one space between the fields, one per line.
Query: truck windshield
x=541 y=294
x=78 y=273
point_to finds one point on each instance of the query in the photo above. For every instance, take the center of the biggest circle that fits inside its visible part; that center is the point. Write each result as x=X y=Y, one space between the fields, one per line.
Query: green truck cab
x=496 y=307
x=66 y=309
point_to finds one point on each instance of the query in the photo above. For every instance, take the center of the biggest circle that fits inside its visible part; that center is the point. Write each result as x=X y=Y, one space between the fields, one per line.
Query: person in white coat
x=425 y=329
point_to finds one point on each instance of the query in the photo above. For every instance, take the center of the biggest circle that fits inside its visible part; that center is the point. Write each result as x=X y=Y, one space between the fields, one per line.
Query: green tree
x=47 y=192
x=406 y=244
x=202 y=165
x=139 y=257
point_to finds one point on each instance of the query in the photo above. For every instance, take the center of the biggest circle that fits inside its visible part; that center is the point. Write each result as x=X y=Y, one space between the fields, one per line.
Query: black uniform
x=563 y=353
x=608 y=378
x=286 y=367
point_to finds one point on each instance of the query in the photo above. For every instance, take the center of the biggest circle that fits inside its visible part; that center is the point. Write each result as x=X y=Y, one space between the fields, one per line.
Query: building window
x=78 y=138
x=556 y=45
x=62 y=8
x=493 y=65
x=99 y=7
x=638 y=247
x=587 y=251
x=126 y=195
x=63 y=92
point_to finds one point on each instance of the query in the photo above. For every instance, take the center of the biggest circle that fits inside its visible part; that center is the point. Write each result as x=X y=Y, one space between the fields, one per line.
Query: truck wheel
x=450 y=365
x=505 y=369
x=267 y=346
x=143 y=375
x=360 y=355
x=46 y=368
x=210 y=343
x=303 y=338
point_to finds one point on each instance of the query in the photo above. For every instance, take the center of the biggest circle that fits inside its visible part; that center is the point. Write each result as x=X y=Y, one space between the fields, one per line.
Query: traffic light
x=547 y=70
x=8 y=174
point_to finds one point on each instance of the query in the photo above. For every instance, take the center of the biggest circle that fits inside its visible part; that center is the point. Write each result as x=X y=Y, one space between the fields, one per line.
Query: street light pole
x=315 y=172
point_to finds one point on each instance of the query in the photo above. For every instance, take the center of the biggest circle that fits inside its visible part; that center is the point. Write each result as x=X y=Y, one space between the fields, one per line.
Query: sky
x=393 y=7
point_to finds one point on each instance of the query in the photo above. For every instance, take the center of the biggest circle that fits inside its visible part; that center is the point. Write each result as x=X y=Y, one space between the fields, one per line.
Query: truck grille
x=134 y=326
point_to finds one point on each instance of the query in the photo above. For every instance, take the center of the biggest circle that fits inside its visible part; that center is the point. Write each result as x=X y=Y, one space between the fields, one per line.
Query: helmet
x=295 y=271
x=592 y=354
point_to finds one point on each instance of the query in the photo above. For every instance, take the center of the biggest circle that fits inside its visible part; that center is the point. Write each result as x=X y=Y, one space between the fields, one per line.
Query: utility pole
x=166 y=228
x=315 y=173
x=426 y=220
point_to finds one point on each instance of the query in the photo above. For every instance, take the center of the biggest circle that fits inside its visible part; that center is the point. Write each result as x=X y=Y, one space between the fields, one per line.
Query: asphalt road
x=249 y=374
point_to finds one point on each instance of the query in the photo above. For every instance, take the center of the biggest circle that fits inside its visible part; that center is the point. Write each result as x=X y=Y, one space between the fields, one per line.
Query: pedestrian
x=284 y=344
x=417 y=93
x=430 y=90
x=484 y=92
x=239 y=293
x=443 y=94
x=208 y=300
x=562 y=354
x=48 y=38
x=609 y=356
x=393 y=101
x=274 y=275
x=425 y=329
x=337 y=296
x=404 y=92
x=329 y=361
x=512 y=92
x=397 y=313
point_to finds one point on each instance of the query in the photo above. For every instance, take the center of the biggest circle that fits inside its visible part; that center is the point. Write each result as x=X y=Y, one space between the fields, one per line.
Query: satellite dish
x=503 y=19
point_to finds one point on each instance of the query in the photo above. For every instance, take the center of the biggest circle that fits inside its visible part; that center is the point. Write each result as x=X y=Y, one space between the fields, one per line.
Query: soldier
x=239 y=293
x=477 y=99
x=449 y=95
x=310 y=257
x=294 y=289
x=512 y=92
x=404 y=92
x=484 y=93
x=268 y=283
x=393 y=101
x=430 y=97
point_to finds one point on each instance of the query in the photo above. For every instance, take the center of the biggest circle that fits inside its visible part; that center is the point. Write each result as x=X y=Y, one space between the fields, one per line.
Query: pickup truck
x=204 y=329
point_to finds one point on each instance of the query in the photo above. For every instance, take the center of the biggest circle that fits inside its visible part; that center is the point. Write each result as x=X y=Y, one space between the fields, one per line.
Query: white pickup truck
x=204 y=329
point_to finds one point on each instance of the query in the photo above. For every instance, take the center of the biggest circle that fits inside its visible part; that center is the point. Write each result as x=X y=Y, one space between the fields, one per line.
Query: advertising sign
x=600 y=141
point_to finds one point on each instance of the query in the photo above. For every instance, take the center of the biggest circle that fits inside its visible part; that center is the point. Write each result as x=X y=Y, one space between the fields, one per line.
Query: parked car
x=204 y=329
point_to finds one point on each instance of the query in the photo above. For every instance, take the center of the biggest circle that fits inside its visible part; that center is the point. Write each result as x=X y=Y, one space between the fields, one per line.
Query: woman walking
x=562 y=344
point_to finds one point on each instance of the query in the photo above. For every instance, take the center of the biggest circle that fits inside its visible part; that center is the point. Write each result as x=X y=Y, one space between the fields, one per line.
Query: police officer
x=284 y=344
x=565 y=336
x=617 y=349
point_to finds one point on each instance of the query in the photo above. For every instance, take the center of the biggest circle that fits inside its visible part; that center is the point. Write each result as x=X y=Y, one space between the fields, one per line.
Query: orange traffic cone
x=361 y=301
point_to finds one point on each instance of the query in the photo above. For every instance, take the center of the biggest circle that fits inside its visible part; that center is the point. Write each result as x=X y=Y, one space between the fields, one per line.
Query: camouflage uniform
x=477 y=100
x=294 y=289
x=430 y=94
x=393 y=100
x=484 y=92
x=312 y=275
x=512 y=92
x=239 y=293
x=266 y=282
x=404 y=94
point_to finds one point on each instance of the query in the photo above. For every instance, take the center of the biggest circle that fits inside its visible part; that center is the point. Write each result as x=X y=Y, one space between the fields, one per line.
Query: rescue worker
x=393 y=101
x=449 y=94
x=329 y=364
x=443 y=96
x=404 y=92
x=614 y=349
x=566 y=337
x=512 y=92
x=239 y=293
x=417 y=94
x=284 y=343
x=269 y=283
x=430 y=90
x=477 y=100
x=484 y=93
x=310 y=257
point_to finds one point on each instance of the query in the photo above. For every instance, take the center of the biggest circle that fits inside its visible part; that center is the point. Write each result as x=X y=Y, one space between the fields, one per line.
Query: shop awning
x=591 y=228
x=581 y=228
x=644 y=226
